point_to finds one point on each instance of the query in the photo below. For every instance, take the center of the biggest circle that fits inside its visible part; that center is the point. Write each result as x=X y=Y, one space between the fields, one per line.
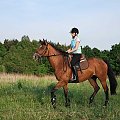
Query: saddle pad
x=84 y=64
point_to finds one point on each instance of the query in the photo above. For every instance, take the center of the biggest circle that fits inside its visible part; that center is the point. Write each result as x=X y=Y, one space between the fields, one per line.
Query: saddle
x=83 y=64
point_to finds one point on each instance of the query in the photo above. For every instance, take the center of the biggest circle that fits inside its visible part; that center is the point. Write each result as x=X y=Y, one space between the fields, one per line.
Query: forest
x=16 y=56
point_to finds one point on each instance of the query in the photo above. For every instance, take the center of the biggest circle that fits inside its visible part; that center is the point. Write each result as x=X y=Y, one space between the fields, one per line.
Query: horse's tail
x=112 y=79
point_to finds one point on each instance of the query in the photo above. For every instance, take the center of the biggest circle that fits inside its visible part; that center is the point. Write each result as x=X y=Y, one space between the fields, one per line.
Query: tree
x=2 y=54
x=17 y=56
x=96 y=52
x=87 y=51
x=9 y=43
x=105 y=55
x=25 y=38
x=115 y=57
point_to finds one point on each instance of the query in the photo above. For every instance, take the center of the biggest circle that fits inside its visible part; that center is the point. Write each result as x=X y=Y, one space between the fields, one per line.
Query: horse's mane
x=58 y=49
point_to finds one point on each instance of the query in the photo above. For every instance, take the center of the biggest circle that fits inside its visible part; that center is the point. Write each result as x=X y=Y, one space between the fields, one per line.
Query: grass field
x=25 y=97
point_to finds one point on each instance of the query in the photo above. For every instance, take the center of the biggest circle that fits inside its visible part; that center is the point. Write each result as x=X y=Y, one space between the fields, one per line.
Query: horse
x=98 y=68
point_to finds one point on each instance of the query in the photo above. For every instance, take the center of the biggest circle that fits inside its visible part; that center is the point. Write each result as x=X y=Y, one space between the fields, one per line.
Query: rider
x=75 y=50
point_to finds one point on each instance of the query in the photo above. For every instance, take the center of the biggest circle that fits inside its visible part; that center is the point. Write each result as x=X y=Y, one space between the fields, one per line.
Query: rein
x=65 y=57
x=50 y=55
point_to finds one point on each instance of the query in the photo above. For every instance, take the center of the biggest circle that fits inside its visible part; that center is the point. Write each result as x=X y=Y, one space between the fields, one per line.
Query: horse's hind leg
x=96 y=88
x=105 y=87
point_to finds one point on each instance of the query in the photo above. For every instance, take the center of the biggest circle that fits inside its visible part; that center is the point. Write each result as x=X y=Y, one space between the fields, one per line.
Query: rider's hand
x=69 y=51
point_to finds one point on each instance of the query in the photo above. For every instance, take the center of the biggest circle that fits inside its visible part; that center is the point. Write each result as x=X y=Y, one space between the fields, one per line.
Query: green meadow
x=25 y=97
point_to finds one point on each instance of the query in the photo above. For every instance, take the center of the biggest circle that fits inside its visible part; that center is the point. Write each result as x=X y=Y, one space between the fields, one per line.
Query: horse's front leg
x=67 y=100
x=53 y=96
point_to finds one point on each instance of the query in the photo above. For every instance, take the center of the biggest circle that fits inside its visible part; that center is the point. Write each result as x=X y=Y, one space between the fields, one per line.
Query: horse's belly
x=85 y=75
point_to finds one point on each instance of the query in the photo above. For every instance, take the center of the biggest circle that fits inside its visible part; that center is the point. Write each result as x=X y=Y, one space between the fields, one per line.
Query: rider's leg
x=75 y=59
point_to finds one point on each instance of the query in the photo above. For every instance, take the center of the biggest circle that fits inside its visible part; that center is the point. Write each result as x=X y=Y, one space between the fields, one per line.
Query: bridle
x=45 y=51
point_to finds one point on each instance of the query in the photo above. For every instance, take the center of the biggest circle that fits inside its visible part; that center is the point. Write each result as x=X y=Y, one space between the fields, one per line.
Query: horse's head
x=42 y=50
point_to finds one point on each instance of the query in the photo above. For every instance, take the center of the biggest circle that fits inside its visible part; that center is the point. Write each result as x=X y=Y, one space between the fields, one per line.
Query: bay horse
x=98 y=68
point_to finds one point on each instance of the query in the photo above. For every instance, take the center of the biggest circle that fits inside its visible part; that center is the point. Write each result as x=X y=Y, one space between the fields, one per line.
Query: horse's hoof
x=106 y=103
x=90 y=104
x=104 y=106
x=67 y=105
x=54 y=106
x=114 y=93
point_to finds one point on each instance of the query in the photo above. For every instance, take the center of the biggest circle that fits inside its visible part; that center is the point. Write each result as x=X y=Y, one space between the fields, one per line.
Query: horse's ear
x=40 y=41
x=45 y=42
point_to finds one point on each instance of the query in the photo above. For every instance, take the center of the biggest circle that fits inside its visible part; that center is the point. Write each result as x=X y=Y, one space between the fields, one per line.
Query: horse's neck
x=56 y=60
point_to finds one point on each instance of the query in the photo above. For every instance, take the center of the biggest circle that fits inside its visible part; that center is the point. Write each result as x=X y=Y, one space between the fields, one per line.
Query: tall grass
x=25 y=97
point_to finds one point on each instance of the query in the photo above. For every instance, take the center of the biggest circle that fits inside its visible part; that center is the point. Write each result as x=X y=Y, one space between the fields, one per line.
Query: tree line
x=17 y=56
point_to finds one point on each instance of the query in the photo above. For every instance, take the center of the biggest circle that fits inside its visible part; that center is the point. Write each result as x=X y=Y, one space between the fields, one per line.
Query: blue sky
x=98 y=20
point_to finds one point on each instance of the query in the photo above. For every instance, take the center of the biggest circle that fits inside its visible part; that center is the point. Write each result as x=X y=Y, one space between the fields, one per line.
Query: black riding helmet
x=74 y=30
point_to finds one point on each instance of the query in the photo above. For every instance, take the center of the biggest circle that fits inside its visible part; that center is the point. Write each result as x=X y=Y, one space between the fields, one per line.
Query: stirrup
x=73 y=81
x=74 y=78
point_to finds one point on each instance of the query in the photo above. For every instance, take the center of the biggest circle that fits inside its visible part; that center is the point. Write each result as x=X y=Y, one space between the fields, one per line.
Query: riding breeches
x=75 y=59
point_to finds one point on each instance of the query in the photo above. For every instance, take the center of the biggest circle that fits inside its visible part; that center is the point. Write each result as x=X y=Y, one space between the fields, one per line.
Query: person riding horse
x=76 y=52
x=98 y=68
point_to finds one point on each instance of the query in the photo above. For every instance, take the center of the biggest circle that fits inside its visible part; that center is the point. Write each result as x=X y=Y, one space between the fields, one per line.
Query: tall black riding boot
x=75 y=75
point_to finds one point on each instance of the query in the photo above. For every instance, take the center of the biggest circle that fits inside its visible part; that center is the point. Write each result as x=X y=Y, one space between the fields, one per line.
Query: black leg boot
x=75 y=75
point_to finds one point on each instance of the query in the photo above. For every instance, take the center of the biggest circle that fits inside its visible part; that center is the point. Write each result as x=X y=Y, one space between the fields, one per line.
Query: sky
x=97 y=20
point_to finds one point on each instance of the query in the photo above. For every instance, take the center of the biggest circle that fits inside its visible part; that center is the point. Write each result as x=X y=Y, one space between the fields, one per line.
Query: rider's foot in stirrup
x=74 y=78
